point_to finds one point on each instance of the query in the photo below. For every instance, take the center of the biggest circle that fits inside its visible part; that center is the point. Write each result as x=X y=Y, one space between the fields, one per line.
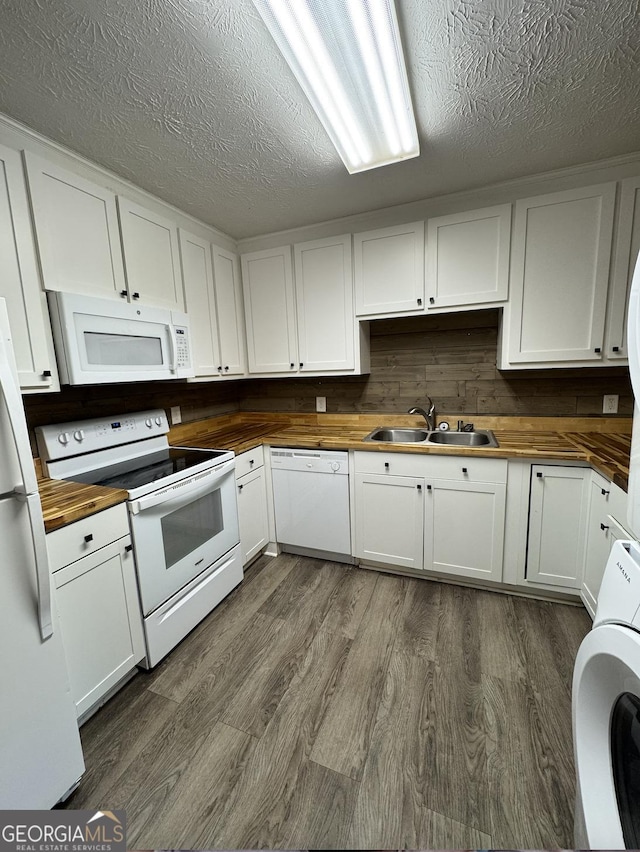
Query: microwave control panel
x=183 y=350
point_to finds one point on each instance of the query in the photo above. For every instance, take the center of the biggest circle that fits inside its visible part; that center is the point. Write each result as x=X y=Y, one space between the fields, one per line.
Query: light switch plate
x=176 y=415
x=321 y=403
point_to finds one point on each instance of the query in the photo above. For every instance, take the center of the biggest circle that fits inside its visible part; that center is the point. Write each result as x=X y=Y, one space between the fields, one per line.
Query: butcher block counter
x=602 y=442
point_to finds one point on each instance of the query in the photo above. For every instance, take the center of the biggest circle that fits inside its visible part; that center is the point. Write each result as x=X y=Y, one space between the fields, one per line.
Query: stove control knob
x=78 y=435
x=158 y=421
x=148 y=422
x=335 y=466
x=63 y=437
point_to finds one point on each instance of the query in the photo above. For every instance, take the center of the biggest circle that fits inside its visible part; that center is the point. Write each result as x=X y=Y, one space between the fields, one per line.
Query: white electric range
x=182 y=513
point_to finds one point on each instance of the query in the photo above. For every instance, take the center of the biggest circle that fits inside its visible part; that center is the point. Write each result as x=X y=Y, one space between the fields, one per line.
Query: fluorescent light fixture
x=347 y=56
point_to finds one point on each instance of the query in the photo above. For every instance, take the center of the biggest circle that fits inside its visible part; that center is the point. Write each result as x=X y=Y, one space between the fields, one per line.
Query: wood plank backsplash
x=451 y=358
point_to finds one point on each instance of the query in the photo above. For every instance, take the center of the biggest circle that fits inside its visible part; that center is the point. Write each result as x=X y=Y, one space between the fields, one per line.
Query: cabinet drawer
x=397 y=464
x=467 y=469
x=76 y=540
x=251 y=460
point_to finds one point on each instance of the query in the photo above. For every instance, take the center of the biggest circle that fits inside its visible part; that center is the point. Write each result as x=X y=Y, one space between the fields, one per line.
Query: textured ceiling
x=190 y=100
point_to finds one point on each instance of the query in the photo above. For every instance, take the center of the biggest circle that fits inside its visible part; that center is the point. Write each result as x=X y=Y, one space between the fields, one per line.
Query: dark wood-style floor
x=333 y=707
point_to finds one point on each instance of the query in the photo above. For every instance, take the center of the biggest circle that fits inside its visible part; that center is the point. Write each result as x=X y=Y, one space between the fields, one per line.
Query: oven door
x=180 y=530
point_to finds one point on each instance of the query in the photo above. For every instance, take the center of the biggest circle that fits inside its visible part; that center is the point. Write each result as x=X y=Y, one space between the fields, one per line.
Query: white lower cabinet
x=390 y=519
x=98 y=605
x=558 y=509
x=447 y=518
x=251 y=491
x=607 y=506
x=464 y=530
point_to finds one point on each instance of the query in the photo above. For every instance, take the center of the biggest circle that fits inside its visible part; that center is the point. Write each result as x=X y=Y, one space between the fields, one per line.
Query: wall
x=451 y=358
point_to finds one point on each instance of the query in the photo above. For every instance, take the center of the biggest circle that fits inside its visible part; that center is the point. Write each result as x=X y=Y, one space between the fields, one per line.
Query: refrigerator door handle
x=13 y=401
x=43 y=576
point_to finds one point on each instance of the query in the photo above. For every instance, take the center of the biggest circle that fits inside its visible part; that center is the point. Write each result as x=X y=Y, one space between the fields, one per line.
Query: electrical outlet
x=176 y=415
x=321 y=403
x=610 y=403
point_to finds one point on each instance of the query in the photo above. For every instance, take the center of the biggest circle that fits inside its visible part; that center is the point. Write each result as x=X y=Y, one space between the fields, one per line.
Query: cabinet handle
x=226 y=369
x=46 y=374
x=615 y=348
x=419 y=301
x=539 y=474
x=465 y=470
x=432 y=301
x=292 y=365
x=419 y=487
x=123 y=293
x=603 y=492
x=428 y=488
x=597 y=350
x=240 y=487
x=128 y=548
x=301 y=365
x=604 y=527
x=386 y=465
x=88 y=538
x=135 y=295
x=252 y=461
x=220 y=368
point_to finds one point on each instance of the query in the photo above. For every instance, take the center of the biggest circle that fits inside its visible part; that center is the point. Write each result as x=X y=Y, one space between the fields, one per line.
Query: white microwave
x=101 y=341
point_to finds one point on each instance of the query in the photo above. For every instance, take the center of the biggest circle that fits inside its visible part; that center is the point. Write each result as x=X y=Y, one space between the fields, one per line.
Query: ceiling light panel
x=347 y=57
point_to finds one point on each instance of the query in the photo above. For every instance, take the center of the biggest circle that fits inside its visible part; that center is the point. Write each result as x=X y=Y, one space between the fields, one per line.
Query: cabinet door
x=231 y=333
x=77 y=232
x=468 y=257
x=624 y=261
x=389 y=518
x=252 y=514
x=100 y=621
x=606 y=502
x=151 y=256
x=20 y=283
x=558 y=508
x=389 y=270
x=464 y=528
x=267 y=281
x=197 y=273
x=324 y=302
x=559 y=275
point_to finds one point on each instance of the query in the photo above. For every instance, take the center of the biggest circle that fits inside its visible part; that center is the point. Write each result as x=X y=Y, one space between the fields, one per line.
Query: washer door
x=606 y=738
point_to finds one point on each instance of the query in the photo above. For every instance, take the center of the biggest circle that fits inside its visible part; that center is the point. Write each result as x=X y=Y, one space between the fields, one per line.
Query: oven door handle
x=174 y=350
x=182 y=493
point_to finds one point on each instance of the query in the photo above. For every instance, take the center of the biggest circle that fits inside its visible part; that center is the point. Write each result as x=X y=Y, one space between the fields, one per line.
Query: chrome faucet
x=429 y=416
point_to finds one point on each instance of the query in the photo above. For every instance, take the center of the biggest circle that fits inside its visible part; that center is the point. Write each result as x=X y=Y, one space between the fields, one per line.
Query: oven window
x=185 y=529
x=126 y=350
x=625 y=759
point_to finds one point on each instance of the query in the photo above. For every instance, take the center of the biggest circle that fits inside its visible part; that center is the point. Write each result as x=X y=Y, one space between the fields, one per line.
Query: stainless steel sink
x=398 y=436
x=481 y=438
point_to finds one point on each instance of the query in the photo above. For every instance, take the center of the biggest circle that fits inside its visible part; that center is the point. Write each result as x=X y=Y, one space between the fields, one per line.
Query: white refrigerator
x=40 y=752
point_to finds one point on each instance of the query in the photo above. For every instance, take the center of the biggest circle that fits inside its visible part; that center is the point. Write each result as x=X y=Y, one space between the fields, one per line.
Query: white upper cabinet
x=151 y=256
x=389 y=270
x=468 y=258
x=214 y=303
x=324 y=302
x=267 y=280
x=559 y=278
x=76 y=226
x=20 y=282
x=229 y=308
x=627 y=246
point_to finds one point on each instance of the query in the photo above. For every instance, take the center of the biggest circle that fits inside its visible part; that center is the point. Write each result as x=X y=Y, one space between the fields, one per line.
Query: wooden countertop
x=604 y=443
x=65 y=502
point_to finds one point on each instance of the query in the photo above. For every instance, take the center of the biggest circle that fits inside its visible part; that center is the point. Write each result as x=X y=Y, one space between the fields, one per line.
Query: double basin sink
x=481 y=438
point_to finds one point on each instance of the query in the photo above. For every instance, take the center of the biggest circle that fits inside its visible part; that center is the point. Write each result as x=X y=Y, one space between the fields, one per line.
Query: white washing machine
x=606 y=711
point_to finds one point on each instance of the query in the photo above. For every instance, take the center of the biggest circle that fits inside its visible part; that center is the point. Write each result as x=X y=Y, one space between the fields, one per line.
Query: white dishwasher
x=311 y=500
